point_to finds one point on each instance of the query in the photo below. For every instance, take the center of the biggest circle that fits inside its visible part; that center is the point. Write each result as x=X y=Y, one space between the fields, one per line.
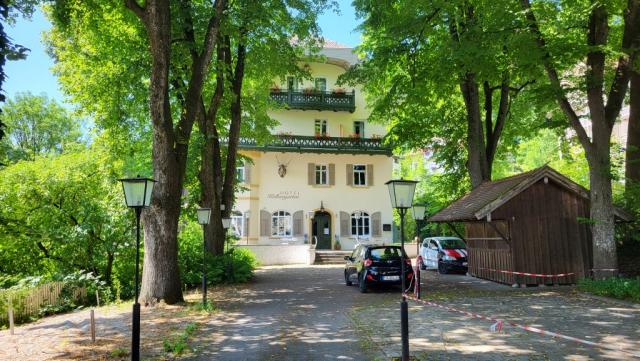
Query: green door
x=322 y=230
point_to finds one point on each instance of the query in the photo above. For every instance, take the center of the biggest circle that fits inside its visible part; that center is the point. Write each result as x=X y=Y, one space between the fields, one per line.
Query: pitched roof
x=328 y=43
x=490 y=195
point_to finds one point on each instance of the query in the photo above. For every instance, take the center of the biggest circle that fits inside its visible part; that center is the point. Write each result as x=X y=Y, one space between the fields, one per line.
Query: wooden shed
x=533 y=222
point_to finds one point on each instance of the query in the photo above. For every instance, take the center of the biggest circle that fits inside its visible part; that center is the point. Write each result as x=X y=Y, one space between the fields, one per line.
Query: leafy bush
x=623 y=288
x=239 y=262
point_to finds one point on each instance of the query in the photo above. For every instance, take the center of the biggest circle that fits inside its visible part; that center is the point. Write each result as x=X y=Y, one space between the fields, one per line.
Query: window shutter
x=349 y=174
x=247 y=173
x=297 y=223
x=311 y=171
x=265 y=223
x=245 y=231
x=345 y=224
x=332 y=174
x=370 y=175
x=376 y=224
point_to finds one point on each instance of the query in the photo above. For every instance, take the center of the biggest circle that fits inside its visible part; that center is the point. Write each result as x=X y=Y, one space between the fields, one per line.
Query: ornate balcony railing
x=307 y=144
x=316 y=100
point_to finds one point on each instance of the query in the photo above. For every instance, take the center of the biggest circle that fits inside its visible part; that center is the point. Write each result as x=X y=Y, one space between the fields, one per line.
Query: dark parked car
x=376 y=265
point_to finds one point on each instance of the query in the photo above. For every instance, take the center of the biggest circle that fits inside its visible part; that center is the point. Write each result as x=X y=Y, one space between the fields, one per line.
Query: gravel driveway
x=307 y=313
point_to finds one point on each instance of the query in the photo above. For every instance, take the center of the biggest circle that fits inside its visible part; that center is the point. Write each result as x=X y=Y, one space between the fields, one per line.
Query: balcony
x=307 y=144
x=316 y=99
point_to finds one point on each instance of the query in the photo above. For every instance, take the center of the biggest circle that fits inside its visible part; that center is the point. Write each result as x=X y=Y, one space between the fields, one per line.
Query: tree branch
x=140 y=11
x=554 y=78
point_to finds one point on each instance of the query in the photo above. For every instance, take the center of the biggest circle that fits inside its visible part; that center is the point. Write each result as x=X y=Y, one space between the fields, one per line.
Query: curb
x=610 y=299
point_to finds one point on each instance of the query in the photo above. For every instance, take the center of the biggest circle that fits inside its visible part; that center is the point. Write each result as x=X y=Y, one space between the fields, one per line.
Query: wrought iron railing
x=316 y=99
x=309 y=144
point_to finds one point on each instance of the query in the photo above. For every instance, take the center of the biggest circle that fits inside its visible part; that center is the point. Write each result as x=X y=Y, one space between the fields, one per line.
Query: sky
x=33 y=74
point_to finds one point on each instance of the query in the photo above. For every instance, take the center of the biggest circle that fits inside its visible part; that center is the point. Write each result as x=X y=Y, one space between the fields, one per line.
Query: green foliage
x=119 y=352
x=622 y=288
x=70 y=296
x=177 y=345
x=36 y=126
x=241 y=260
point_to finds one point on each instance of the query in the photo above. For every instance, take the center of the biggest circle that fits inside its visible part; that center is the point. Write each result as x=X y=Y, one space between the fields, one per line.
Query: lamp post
x=204 y=214
x=401 y=194
x=137 y=195
x=247 y=216
x=226 y=223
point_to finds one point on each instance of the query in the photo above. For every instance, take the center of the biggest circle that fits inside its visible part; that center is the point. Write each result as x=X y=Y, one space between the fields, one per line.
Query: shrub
x=622 y=288
x=240 y=260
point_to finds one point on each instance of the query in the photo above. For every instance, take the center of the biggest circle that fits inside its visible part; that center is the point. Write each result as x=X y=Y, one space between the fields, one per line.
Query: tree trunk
x=632 y=164
x=476 y=155
x=602 y=210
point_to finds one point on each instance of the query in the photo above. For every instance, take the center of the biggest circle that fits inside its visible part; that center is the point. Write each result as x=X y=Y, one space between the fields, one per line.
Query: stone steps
x=330 y=257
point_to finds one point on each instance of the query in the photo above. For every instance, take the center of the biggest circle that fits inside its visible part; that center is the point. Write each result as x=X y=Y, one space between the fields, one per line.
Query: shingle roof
x=490 y=195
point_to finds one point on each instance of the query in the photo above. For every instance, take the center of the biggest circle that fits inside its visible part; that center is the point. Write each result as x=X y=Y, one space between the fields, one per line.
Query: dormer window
x=321 y=84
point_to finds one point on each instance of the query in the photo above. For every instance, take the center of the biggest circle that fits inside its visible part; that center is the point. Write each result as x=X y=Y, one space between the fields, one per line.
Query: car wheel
x=442 y=269
x=362 y=283
x=346 y=279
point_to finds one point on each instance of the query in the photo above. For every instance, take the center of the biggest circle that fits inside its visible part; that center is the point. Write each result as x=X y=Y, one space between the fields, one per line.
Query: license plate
x=464 y=263
x=390 y=278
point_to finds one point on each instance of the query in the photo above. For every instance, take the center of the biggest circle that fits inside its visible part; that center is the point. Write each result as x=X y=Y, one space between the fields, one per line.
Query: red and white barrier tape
x=498 y=323
x=529 y=274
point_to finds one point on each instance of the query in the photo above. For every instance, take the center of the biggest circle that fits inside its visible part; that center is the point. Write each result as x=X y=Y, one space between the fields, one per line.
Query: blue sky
x=34 y=75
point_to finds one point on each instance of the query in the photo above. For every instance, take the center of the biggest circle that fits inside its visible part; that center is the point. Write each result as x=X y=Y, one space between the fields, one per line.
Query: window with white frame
x=237 y=224
x=360 y=224
x=320 y=127
x=240 y=176
x=281 y=224
x=322 y=174
x=321 y=84
x=359 y=175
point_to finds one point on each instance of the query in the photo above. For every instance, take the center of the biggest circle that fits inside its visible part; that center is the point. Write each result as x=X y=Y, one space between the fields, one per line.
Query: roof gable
x=489 y=196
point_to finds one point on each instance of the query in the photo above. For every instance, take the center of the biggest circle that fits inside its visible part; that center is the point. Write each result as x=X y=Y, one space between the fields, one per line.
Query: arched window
x=237 y=223
x=281 y=224
x=360 y=224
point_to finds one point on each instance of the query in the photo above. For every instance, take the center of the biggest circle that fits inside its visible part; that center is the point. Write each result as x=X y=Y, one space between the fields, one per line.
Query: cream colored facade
x=272 y=201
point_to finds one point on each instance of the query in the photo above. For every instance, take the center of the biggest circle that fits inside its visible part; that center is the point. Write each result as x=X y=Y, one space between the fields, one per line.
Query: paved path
x=307 y=313
x=293 y=313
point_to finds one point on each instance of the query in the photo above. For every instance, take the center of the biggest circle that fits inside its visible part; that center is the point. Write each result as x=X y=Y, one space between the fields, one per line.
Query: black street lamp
x=401 y=194
x=204 y=214
x=226 y=223
x=137 y=195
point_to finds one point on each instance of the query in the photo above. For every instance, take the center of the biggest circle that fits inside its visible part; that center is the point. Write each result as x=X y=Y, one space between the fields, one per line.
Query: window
x=321 y=84
x=322 y=174
x=281 y=224
x=321 y=127
x=237 y=224
x=292 y=83
x=360 y=224
x=240 y=176
x=359 y=175
x=358 y=129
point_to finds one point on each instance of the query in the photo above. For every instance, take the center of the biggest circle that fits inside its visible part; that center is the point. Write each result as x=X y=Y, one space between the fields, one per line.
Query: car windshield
x=385 y=253
x=452 y=243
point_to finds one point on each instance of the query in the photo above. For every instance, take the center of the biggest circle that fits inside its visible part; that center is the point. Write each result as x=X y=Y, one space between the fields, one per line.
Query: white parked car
x=444 y=254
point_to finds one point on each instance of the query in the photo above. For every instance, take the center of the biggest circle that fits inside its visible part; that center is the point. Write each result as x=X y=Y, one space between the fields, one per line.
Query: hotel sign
x=284 y=195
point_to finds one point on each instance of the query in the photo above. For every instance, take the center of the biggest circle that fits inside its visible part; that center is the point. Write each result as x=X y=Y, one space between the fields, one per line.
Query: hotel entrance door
x=322 y=229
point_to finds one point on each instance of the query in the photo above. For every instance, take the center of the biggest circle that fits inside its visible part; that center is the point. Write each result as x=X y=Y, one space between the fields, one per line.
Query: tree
x=151 y=26
x=441 y=71
x=632 y=161
x=252 y=51
x=565 y=35
x=10 y=51
x=37 y=126
x=62 y=214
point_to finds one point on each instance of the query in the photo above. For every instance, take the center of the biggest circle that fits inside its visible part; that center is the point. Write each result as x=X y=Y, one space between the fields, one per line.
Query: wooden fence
x=27 y=303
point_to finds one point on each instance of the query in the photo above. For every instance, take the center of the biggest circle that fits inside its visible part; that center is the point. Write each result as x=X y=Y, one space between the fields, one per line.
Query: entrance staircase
x=330 y=257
